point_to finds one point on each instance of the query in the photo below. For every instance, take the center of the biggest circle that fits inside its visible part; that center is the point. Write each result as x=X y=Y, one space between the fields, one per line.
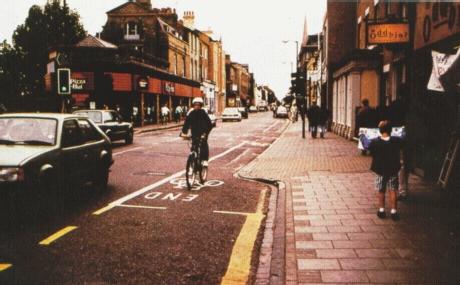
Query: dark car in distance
x=244 y=112
x=111 y=123
x=46 y=151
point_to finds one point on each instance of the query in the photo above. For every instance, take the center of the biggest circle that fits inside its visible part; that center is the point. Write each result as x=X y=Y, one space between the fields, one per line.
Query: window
x=376 y=11
x=131 y=29
x=387 y=8
x=108 y=117
x=403 y=10
x=176 y=64
x=88 y=132
x=70 y=134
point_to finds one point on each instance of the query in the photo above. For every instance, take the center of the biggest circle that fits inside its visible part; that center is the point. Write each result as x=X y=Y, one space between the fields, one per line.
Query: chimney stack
x=189 y=19
x=146 y=3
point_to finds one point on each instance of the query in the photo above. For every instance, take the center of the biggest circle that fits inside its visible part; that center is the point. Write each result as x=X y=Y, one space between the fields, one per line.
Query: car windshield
x=27 y=131
x=93 y=115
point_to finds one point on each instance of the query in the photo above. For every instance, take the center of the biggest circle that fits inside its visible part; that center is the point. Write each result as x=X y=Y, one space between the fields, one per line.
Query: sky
x=252 y=31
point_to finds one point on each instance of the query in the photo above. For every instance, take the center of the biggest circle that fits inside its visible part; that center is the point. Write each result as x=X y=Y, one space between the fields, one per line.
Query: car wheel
x=101 y=179
x=129 y=138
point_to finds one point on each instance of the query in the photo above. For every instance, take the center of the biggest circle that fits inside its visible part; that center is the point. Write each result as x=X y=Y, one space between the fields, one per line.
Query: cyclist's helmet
x=198 y=100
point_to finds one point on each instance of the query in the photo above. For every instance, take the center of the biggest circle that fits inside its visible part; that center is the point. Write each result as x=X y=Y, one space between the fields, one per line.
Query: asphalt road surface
x=148 y=228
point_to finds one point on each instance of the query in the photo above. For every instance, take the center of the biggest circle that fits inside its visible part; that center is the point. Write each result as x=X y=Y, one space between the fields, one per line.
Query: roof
x=94 y=42
x=126 y=4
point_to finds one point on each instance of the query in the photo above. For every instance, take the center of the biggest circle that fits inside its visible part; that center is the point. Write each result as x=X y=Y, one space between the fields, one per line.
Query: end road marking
x=139 y=192
x=49 y=240
x=5 y=266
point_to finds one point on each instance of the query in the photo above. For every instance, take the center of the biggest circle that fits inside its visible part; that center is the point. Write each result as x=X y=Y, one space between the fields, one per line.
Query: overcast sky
x=252 y=30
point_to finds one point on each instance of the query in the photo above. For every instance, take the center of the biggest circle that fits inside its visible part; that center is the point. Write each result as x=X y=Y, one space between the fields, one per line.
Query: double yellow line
x=240 y=261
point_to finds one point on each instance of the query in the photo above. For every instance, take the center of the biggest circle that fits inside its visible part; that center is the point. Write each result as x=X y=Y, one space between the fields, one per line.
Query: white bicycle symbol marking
x=181 y=183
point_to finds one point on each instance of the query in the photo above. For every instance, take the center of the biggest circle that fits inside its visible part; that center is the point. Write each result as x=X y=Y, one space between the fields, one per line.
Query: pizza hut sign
x=78 y=83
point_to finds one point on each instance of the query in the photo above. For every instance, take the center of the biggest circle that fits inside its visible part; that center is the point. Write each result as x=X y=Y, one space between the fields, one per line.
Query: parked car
x=211 y=116
x=244 y=112
x=231 y=114
x=253 y=109
x=40 y=151
x=282 y=112
x=111 y=123
x=262 y=108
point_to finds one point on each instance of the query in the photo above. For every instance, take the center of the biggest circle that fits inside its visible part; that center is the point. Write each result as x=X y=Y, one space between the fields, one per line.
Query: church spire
x=305 y=33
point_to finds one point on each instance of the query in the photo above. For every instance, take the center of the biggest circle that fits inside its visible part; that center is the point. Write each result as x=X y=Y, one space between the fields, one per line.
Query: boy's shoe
x=381 y=215
x=205 y=163
x=395 y=217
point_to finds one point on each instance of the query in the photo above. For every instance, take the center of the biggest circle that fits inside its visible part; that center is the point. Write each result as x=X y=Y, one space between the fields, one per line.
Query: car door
x=73 y=155
x=93 y=145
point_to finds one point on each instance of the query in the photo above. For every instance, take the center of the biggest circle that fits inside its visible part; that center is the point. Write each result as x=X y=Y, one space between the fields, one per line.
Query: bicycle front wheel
x=190 y=172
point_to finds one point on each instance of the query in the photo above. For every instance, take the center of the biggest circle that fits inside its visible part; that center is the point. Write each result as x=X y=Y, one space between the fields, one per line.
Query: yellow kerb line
x=5 y=266
x=103 y=210
x=240 y=261
x=57 y=235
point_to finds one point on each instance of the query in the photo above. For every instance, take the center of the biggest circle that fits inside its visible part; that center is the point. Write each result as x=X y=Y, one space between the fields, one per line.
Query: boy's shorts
x=384 y=182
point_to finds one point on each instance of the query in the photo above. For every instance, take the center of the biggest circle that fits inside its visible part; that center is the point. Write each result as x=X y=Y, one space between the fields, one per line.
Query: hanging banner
x=443 y=65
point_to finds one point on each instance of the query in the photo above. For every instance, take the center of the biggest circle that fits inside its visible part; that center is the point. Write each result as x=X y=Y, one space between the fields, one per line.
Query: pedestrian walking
x=314 y=118
x=294 y=113
x=323 y=118
x=177 y=113
x=385 y=151
x=164 y=114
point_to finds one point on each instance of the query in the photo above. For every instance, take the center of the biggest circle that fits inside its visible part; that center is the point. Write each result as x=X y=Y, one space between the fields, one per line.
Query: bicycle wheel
x=203 y=174
x=190 y=171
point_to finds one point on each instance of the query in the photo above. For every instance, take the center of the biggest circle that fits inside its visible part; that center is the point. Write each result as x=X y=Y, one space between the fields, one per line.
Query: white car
x=212 y=117
x=281 y=112
x=231 y=114
x=253 y=109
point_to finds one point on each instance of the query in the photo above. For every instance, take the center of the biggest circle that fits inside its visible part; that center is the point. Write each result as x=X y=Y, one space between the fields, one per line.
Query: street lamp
x=303 y=107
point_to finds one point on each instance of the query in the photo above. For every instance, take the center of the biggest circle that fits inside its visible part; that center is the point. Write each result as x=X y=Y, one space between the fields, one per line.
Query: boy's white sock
x=393 y=211
x=382 y=210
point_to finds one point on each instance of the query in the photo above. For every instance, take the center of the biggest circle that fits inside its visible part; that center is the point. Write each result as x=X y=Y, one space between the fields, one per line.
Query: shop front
x=435 y=97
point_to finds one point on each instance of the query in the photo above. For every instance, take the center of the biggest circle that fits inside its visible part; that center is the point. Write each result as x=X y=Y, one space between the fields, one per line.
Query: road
x=148 y=228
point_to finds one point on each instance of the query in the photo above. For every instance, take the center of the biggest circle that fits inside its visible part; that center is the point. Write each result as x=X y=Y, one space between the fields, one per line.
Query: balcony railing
x=132 y=37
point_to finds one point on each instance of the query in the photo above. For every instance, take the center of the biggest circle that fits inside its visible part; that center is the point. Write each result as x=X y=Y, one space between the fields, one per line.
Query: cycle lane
x=165 y=235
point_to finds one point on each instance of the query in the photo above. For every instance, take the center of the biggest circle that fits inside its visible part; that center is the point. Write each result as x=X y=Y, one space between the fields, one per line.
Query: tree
x=10 y=77
x=44 y=28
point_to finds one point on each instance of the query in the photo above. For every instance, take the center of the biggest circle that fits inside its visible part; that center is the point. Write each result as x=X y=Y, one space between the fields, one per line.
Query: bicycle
x=194 y=168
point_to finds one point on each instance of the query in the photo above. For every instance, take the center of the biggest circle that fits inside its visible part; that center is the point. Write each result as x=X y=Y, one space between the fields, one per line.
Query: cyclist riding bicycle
x=198 y=122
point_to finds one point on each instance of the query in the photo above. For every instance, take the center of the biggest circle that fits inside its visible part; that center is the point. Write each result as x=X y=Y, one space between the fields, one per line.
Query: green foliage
x=44 y=28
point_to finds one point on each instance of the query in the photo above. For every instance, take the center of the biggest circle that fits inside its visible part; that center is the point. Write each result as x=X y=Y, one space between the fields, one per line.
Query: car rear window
x=93 y=115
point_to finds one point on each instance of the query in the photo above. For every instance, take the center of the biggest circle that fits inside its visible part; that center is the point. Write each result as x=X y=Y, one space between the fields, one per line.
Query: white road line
x=128 y=150
x=142 y=207
x=238 y=157
x=267 y=129
x=139 y=192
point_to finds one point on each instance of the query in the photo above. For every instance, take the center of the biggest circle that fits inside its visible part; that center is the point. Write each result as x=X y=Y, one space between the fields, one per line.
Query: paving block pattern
x=333 y=235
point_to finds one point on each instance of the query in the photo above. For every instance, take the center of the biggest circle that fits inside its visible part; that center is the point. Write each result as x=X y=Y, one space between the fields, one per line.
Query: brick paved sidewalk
x=332 y=232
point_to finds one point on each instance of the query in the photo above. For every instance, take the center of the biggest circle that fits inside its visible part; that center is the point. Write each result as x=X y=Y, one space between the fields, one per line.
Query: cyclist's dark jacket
x=198 y=121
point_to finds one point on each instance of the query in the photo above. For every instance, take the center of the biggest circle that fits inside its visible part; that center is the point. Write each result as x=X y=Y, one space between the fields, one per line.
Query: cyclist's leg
x=204 y=151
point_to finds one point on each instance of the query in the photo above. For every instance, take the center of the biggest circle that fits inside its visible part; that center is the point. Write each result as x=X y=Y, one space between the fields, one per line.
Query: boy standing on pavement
x=385 y=152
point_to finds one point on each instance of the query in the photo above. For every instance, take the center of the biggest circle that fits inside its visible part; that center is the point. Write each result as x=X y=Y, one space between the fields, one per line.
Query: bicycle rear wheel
x=190 y=172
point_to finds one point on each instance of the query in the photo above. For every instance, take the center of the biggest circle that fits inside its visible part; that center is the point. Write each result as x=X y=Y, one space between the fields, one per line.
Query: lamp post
x=302 y=106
